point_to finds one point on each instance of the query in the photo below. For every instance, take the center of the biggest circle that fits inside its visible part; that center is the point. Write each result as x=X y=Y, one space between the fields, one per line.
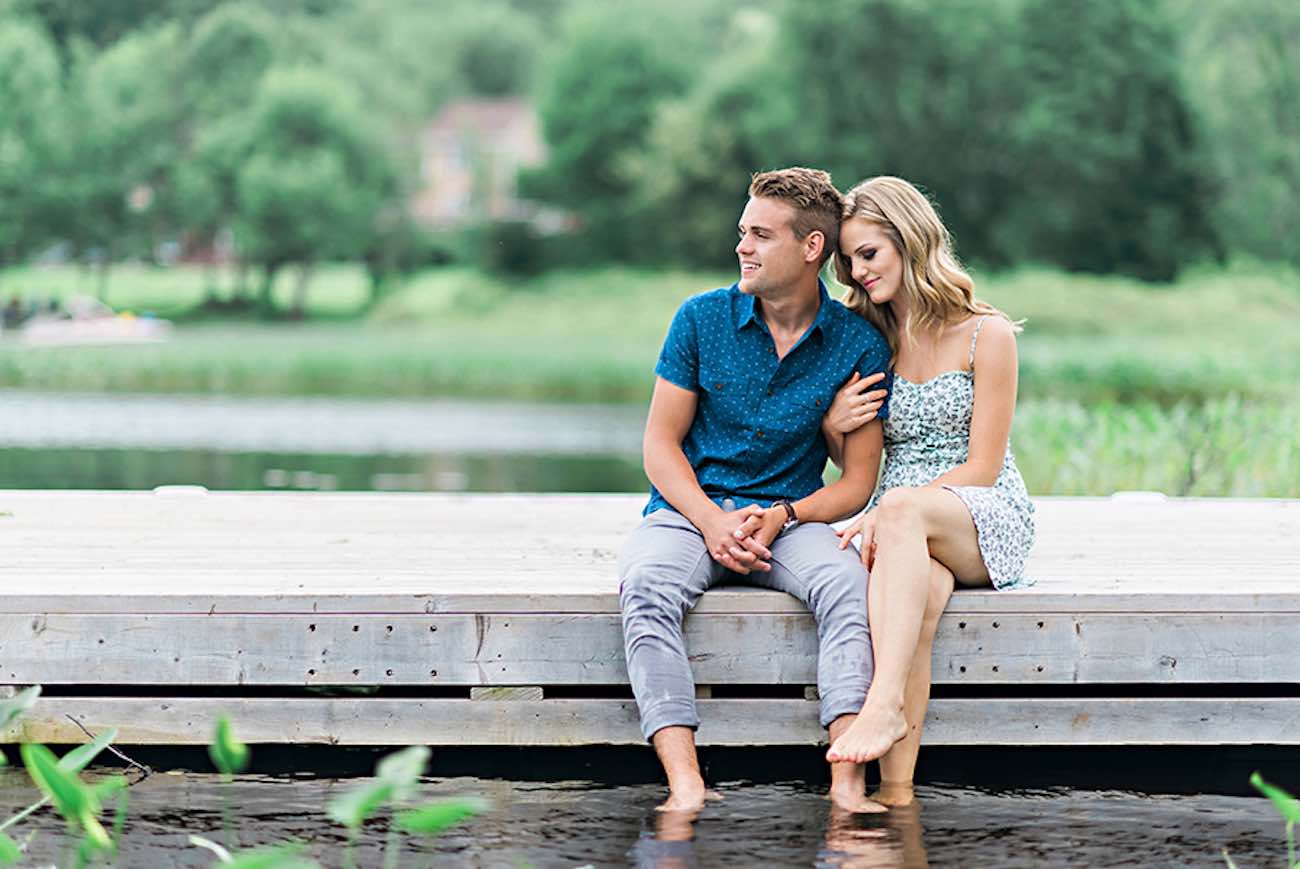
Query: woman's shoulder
x=992 y=337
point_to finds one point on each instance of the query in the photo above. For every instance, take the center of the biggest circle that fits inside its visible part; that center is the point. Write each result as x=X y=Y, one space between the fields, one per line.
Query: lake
x=108 y=441
x=575 y=823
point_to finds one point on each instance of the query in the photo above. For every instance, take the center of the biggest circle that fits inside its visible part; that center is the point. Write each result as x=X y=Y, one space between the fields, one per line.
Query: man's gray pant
x=666 y=566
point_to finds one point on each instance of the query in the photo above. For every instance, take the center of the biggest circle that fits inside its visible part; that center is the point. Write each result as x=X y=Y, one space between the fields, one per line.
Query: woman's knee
x=898 y=505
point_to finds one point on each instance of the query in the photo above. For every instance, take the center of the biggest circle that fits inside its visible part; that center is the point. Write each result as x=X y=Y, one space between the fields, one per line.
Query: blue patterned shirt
x=756 y=437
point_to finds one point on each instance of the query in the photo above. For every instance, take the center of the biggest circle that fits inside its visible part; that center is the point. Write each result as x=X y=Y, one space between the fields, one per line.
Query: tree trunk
x=266 y=299
x=101 y=278
x=299 y=309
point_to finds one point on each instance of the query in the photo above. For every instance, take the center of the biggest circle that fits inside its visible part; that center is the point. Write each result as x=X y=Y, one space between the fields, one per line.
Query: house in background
x=470 y=157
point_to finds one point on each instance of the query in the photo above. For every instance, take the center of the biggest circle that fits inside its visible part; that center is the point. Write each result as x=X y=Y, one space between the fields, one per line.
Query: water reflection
x=895 y=840
x=672 y=844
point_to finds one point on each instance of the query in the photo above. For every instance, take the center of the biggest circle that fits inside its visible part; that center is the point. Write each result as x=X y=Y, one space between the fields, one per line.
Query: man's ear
x=813 y=246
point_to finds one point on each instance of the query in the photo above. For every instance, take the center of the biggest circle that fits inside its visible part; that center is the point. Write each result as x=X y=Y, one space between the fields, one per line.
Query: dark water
x=28 y=468
x=581 y=823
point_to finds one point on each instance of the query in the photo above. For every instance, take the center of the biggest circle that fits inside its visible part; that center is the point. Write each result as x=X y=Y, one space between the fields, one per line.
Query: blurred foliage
x=1133 y=136
x=1243 y=61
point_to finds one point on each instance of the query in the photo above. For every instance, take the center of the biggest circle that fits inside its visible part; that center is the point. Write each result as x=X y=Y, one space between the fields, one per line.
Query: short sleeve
x=874 y=360
x=679 y=360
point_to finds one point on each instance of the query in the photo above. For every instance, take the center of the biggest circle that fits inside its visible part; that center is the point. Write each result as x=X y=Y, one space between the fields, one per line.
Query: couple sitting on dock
x=757 y=385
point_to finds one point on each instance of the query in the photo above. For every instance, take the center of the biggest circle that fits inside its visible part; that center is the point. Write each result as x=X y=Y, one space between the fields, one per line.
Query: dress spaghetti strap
x=970 y=364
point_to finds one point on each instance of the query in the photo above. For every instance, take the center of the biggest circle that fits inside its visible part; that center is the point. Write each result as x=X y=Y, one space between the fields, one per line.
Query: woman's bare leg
x=899 y=763
x=912 y=525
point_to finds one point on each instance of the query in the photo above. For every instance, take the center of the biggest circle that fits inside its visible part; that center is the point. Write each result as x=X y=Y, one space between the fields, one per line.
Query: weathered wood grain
x=493 y=649
x=1005 y=722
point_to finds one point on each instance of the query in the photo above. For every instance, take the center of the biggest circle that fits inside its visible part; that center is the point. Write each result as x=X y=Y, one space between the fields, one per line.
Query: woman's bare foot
x=894 y=793
x=851 y=799
x=872 y=734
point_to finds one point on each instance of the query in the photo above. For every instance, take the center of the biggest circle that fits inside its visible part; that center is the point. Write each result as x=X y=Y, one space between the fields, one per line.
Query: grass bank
x=593 y=335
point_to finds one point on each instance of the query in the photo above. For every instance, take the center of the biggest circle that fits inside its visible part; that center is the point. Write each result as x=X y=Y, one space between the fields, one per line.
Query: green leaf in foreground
x=228 y=753
x=402 y=769
x=9 y=850
x=81 y=756
x=432 y=819
x=276 y=857
x=76 y=802
x=12 y=707
x=352 y=808
x=1286 y=804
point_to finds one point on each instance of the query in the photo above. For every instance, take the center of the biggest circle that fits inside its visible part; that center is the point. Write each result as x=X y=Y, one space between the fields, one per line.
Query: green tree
x=495 y=49
x=313 y=180
x=599 y=95
x=925 y=91
x=121 y=146
x=1115 y=178
x=222 y=64
x=30 y=92
x=690 y=178
x=1243 y=63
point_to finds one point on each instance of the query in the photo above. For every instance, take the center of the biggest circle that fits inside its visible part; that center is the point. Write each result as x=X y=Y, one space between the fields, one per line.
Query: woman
x=951 y=505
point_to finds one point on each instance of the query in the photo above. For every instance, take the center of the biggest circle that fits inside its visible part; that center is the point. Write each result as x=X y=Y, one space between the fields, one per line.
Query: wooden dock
x=360 y=619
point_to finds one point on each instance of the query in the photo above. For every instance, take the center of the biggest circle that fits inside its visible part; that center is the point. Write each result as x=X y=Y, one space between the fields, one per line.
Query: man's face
x=771 y=258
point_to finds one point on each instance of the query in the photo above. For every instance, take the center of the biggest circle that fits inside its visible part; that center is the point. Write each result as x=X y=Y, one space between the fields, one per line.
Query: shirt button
x=769 y=390
x=758 y=433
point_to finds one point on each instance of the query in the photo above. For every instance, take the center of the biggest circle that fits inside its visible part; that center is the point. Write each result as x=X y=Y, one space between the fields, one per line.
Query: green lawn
x=593 y=335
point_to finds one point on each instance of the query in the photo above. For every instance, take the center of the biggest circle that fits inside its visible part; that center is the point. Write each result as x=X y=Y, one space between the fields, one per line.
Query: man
x=734 y=452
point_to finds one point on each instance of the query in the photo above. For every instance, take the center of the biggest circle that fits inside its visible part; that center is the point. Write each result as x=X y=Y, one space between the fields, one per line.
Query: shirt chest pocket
x=727 y=393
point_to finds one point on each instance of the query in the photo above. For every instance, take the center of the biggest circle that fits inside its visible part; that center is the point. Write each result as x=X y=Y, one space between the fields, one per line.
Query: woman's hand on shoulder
x=855 y=404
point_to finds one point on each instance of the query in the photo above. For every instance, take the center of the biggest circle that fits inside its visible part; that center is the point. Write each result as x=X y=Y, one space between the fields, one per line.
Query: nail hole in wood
x=356 y=628
x=389 y=629
x=311 y=627
x=962 y=669
x=961 y=625
x=995 y=624
x=388 y=672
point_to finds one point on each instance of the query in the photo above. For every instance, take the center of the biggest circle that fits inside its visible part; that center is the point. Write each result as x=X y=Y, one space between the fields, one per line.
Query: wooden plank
x=503 y=649
x=414 y=554
x=992 y=722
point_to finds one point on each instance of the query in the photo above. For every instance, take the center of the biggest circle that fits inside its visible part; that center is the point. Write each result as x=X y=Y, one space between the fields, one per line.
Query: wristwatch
x=792 y=518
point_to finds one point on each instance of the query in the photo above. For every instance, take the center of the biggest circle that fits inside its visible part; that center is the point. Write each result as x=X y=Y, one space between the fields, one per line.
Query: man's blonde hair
x=813 y=197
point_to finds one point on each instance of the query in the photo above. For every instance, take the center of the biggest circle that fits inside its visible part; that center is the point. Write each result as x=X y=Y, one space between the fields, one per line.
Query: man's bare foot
x=894 y=793
x=687 y=799
x=851 y=799
x=872 y=734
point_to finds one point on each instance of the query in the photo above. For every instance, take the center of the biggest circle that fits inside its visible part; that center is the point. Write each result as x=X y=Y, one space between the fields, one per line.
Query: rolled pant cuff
x=841 y=703
x=672 y=713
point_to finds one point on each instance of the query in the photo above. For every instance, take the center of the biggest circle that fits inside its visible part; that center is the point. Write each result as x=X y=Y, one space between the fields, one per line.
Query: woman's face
x=874 y=262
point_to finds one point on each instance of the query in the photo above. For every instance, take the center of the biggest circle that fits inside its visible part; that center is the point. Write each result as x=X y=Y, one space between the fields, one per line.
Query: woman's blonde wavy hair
x=936 y=287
